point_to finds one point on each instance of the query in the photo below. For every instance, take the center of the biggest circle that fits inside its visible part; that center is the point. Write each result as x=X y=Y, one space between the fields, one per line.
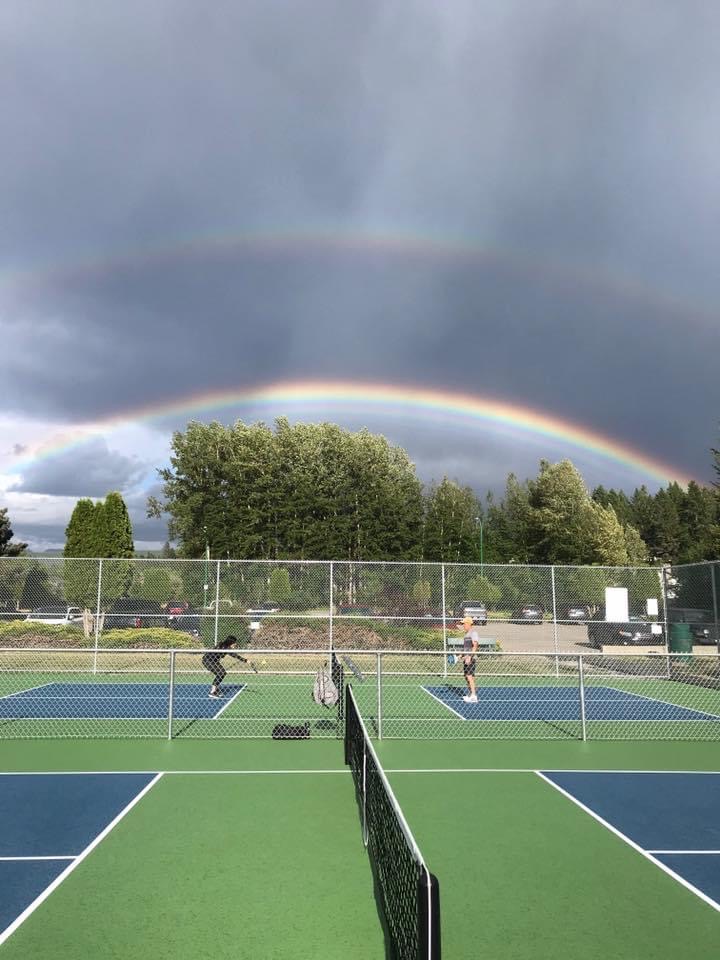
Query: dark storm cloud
x=571 y=140
x=90 y=470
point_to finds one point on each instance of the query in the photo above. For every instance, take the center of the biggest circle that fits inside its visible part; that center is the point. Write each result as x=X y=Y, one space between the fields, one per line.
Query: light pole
x=478 y=520
x=206 y=585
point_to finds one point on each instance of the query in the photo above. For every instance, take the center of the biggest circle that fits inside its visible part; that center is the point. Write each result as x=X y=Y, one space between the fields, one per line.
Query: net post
x=97 y=616
x=378 y=669
x=171 y=694
x=581 y=692
x=428 y=911
x=366 y=835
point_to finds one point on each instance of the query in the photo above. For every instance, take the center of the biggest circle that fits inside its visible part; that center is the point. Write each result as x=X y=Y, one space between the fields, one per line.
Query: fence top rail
x=345 y=563
x=360 y=652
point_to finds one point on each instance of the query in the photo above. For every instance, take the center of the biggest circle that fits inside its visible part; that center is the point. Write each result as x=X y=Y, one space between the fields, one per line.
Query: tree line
x=318 y=491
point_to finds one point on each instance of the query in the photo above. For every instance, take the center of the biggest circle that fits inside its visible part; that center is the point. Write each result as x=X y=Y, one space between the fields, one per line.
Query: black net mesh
x=407 y=892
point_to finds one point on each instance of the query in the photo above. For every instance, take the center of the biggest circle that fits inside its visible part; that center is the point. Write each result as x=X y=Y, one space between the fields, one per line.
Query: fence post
x=581 y=683
x=555 y=633
x=97 y=616
x=332 y=604
x=715 y=606
x=378 y=668
x=666 y=629
x=217 y=602
x=171 y=694
x=444 y=610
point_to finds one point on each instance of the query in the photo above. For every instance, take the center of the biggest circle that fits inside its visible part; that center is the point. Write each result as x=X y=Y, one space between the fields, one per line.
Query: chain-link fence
x=61 y=692
x=310 y=604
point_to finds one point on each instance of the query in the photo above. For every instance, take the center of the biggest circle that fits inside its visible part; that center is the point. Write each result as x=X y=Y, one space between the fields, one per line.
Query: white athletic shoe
x=470 y=699
x=215 y=696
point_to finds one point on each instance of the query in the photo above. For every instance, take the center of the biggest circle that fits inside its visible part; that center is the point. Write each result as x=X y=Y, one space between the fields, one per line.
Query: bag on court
x=284 y=731
x=324 y=690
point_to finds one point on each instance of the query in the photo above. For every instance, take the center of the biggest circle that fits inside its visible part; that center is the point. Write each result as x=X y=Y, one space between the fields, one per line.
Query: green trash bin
x=681 y=639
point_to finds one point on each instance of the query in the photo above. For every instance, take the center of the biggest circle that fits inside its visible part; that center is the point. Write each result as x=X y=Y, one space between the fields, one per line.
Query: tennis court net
x=409 y=894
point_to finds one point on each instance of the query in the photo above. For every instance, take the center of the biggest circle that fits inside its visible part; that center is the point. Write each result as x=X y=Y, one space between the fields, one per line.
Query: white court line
x=8 y=931
x=343 y=770
x=231 y=700
x=694 y=853
x=14 y=859
x=446 y=705
x=668 y=703
x=631 y=843
x=19 y=693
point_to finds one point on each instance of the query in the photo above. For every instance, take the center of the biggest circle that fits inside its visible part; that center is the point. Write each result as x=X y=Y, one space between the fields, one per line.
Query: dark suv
x=530 y=613
x=637 y=631
x=134 y=612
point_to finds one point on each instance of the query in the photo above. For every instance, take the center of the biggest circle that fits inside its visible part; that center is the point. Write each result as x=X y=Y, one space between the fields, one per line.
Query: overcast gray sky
x=513 y=200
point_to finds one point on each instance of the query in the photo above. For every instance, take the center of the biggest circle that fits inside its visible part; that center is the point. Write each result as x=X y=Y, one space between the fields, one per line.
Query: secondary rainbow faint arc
x=358 y=396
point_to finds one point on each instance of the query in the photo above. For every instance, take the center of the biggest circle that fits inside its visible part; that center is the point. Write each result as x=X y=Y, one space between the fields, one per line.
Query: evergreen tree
x=117 y=528
x=451 y=529
x=507 y=525
x=7 y=548
x=80 y=537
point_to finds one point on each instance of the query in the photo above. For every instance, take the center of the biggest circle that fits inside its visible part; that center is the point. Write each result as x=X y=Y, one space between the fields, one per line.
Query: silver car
x=56 y=616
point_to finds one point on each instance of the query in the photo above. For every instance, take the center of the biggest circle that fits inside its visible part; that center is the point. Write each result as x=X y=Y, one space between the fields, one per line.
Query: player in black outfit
x=211 y=661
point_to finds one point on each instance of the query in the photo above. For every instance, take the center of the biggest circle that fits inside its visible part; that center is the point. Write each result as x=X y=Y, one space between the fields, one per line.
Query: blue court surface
x=672 y=818
x=115 y=701
x=48 y=823
x=559 y=703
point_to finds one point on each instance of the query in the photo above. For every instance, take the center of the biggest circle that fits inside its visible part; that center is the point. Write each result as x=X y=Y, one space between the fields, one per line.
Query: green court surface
x=253 y=849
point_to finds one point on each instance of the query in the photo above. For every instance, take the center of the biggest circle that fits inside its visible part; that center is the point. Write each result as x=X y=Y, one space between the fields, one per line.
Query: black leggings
x=212 y=663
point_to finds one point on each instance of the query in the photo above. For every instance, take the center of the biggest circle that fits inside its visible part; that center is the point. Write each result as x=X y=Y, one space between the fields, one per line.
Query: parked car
x=476 y=610
x=181 y=616
x=703 y=626
x=578 y=613
x=262 y=610
x=134 y=612
x=530 y=613
x=56 y=616
x=637 y=631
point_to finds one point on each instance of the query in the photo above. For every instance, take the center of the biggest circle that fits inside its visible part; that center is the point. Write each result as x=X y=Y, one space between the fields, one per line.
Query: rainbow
x=385 y=241
x=458 y=409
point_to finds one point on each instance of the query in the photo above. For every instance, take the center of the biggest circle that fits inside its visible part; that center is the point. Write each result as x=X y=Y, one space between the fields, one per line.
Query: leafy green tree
x=279 y=589
x=568 y=526
x=7 y=548
x=309 y=491
x=699 y=516
x=480 y=588
x=38 y=590
x=422 y=592
x=637 y=551
x=451 y=531
x=156 y=583
x=560 y=520
x=507 y=525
